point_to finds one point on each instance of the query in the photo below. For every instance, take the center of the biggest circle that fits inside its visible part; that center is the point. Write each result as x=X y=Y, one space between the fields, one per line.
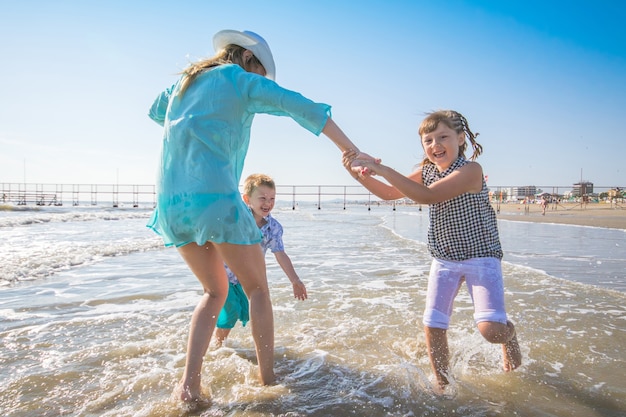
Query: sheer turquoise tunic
x=205 y=142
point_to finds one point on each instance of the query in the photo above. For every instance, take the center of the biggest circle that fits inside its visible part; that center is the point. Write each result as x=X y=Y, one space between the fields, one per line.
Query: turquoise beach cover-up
x=205 y=142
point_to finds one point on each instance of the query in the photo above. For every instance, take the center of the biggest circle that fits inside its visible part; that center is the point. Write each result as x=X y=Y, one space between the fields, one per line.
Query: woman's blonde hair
x=455 y=121
x=255 y=181
x=231 y=54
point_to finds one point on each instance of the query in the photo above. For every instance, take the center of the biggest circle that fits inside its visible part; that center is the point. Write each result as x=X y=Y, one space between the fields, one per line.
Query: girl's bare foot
x=511 y=354
x=192 y=400
x=439 y=387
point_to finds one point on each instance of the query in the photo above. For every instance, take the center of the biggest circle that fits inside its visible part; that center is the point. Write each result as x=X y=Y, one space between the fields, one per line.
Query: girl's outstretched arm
x=376 y=187
x=467 y=179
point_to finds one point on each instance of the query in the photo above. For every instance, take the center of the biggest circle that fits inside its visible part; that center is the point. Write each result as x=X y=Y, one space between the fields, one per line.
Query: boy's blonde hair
x=455 y=121
x=255 y=181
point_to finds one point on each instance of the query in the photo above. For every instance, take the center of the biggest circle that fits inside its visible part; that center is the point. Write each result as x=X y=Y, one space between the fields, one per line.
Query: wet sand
x=593 y=214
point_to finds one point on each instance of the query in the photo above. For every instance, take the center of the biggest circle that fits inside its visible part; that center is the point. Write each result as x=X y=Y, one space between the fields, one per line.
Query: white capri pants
x=483 y=277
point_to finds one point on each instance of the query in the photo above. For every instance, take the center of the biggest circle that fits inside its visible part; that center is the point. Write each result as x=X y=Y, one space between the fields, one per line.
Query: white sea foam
x=34 y=245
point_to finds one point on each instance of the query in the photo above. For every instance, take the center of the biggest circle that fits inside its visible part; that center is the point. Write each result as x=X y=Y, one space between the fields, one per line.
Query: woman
x=207 y=116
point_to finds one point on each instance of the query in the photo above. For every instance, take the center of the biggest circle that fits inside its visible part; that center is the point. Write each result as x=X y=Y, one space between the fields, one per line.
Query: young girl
x=207 y=117
x=462 y=236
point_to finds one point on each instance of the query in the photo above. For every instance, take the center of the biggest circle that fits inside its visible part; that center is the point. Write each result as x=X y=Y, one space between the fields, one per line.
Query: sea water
x=94 y=316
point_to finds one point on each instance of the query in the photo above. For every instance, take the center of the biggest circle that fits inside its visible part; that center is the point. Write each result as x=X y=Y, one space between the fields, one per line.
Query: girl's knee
x=496 y=332
x=435 y=332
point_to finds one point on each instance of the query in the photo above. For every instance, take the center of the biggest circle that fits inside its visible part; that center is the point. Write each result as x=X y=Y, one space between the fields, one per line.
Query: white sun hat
x=251 y=41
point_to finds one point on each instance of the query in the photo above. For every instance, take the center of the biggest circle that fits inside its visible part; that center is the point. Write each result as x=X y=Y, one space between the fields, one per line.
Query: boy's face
x=261 y=201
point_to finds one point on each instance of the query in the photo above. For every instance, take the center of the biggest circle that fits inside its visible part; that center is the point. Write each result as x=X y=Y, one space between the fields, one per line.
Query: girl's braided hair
x=455 y=121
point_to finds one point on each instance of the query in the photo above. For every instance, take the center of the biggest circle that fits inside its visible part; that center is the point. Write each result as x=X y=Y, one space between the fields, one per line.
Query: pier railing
x=133 y=195
x=142 y=195
x=114 y=195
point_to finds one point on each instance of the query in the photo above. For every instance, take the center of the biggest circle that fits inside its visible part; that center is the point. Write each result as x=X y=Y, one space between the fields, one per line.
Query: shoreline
x=593 y=214
x=604 y=215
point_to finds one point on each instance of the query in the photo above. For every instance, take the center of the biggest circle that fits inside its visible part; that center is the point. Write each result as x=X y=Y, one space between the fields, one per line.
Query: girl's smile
x=442 y=146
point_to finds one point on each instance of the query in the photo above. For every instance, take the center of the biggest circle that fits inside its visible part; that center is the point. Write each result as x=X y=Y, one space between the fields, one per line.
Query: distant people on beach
x=584 y=201
x=463 y=234
x=544 y=204
x=207 y=115
x=259 y=193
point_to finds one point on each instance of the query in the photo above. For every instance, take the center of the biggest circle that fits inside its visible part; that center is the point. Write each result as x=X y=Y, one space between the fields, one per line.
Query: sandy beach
x=593 y=214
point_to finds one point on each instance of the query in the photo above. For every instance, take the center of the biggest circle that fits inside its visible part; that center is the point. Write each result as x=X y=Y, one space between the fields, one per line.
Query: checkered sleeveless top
x=464 y=227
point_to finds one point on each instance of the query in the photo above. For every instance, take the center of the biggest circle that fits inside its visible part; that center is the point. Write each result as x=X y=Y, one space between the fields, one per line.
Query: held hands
x=359 y=164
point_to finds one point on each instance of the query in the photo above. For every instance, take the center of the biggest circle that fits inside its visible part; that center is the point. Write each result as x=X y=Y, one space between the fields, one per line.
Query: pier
x=115 y=195
x=144 y=195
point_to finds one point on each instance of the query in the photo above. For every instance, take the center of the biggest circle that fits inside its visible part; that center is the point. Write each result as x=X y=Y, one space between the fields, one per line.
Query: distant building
x=521 y=193
x=582 y=188
x=500 y=194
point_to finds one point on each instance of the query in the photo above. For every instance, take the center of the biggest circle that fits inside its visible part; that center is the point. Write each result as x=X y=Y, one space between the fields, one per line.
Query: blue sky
x=543 y=82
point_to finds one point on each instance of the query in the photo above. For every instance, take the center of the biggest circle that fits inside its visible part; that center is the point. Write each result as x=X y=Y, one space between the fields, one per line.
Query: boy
x=260 y=195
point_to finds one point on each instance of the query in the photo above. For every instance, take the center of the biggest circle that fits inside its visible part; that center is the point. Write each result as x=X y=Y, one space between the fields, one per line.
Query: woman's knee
x=257 y=292
x=218 y=293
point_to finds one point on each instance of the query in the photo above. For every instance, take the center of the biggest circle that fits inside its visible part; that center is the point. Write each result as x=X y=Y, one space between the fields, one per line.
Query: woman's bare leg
x=248 y=264
x=206 y=264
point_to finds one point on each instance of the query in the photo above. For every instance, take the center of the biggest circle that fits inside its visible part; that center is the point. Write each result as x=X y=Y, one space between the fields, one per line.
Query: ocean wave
x=43 y=259
x=43 y=216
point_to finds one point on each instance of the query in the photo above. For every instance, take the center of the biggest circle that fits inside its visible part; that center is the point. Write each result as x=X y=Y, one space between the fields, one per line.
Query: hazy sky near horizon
x=543 y=82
